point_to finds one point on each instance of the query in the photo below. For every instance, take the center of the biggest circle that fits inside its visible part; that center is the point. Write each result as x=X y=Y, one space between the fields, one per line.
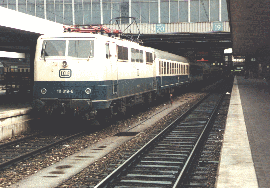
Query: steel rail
x=19 y=158
x=18 y=140
x=199 y=142
x=117 y=172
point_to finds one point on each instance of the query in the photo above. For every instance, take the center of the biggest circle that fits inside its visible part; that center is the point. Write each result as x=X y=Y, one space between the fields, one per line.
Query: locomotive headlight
x=88 y=91
x=64 y=64
x=43 y=91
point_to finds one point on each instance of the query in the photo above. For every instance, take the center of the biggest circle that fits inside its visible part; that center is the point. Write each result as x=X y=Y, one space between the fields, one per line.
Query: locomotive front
x=66 y=71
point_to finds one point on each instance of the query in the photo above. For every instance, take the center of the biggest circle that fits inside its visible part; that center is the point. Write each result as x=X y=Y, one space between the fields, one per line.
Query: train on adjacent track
x=97 y=76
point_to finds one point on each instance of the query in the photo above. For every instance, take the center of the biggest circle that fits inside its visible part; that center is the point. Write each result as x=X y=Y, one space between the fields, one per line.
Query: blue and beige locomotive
x=93 y=75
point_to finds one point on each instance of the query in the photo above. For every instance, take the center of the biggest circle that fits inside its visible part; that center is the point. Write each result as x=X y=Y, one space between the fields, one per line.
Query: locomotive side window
x=133 y=55
x=108 y=54
x=53 y=48
x=137 y=55
x=141 y=56
x=149 y=58
x=81 y=48
x=122 y=52
x=125 y=53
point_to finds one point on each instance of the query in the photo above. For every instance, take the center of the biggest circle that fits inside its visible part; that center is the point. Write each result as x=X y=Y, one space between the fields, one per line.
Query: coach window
x=172 y=68
x=167 y=68
x=182 y=69
x=164 y=67
x=160 y=67
x=81 y=48
x=187 y=69
x=108 y=54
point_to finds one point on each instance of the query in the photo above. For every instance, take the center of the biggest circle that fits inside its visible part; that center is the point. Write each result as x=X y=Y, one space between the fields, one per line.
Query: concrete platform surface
x=14 y=118
x=14 y=105
x=245 y=153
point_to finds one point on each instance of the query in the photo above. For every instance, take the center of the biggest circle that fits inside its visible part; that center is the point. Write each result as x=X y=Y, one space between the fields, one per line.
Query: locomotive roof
x=159 y=54
x=69 y=35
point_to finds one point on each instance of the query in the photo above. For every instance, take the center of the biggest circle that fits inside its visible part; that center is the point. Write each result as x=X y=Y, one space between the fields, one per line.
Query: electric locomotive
x=97 y=76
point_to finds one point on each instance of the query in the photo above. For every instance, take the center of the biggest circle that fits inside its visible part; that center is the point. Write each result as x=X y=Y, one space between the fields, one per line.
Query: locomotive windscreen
x=53 y=48
x=76 y=48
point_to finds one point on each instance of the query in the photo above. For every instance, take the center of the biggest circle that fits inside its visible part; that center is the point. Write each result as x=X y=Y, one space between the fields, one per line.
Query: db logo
x=65 y=73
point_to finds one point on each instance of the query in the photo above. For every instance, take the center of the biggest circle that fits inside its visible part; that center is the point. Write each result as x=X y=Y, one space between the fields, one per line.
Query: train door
x=112 y=56
x=154 y=65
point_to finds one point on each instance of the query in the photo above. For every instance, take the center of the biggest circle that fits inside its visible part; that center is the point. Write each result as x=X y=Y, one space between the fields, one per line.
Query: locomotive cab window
x=53 y=48
x=81 y=48
x=75 y=49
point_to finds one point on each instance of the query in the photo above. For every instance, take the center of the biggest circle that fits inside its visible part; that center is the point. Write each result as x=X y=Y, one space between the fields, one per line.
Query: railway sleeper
x=139 y=182
x=170 y=176
x=151 y=171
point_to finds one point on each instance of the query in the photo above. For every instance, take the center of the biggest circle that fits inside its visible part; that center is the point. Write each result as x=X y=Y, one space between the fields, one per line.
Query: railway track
x=165 y=160
x=17 y=150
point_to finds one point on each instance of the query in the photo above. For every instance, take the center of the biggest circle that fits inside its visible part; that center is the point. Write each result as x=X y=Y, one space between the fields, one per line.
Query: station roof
x=180 y=43
x=17 y=29
x=250 y=27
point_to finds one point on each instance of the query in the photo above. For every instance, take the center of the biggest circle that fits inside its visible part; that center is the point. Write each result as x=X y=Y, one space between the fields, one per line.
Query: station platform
x=245 y=160
x=12 y=105
x=14 y=118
